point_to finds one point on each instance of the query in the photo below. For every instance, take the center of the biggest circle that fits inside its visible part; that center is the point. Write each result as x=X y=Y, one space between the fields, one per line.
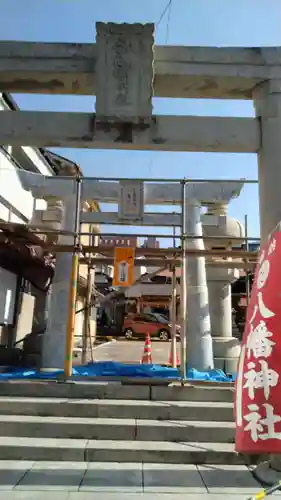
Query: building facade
x=26 y=273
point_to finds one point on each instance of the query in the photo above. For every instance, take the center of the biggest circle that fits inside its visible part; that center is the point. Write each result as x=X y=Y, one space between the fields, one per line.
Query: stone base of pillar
x=225 y=347
x=226 y=353
x=268 y=473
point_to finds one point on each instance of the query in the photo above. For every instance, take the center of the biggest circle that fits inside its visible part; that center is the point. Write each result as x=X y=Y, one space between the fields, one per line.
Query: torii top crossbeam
x=166 y=193
x=124 y=70
x=194 y=72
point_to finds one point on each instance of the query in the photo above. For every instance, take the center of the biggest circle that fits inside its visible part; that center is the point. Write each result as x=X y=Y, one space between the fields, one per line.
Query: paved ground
x=49 y=495
x=115 y=481
x=132 y=351
x=121 y=481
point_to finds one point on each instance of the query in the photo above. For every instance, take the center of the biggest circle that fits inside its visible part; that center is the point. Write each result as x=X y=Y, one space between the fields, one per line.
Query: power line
x=168 y=21
x=168 y=6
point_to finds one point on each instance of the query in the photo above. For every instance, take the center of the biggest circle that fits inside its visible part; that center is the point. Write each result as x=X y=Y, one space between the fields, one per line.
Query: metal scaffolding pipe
x=183 y=333
x=248 y=291
x=147 y=262
x=162 y=252
x=87 y=315
x=129 y=235
x=164 y=181
x=174 y=311
x=70 y=327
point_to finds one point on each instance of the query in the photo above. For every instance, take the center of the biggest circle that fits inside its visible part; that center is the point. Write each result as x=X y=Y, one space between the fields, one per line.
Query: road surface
x=132 y=351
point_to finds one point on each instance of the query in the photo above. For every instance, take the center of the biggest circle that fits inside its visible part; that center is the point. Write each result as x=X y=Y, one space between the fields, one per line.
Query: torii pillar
x=267 y=102
x=64 y=190
x=54 y=338
x=198 y=321
x=199 y=339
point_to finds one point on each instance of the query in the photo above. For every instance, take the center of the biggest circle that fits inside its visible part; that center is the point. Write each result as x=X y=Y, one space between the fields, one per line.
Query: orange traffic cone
x=170 y=362
x=147 y=351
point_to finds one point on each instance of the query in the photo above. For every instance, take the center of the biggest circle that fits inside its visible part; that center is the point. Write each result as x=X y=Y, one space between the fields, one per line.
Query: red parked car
x=157 y=325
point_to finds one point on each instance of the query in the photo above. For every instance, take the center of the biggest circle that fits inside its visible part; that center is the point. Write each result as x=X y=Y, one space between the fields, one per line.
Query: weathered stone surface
x=77 y=390
x=166 y=193
x=168 y=133
x=167 y=478
x=228 y=479
x=123 y=477
x=68 y=428
x=140 y=496
x=64 y=427
x=116 y=390
x=161 y=452
x=12 y=472
x=134 y=481
x=208 y=432
x=124 y=76
x=116 y=429
x=191 y=394
x=145 y=496
x=21 y=448
x=267 y=101
x=266 y=474
x=53 y=476
x=79 y=450
x=225 y=72
x=111 y=408
x=37 y=495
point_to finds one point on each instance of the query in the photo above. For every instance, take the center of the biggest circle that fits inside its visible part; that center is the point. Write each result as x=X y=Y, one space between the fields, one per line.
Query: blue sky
x=192 y=22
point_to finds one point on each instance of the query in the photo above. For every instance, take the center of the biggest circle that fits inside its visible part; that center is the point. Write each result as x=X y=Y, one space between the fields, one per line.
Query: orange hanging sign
x=124 y=262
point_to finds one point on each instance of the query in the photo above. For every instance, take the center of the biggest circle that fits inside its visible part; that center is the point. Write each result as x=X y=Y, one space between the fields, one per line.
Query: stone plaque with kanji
x=124 y=72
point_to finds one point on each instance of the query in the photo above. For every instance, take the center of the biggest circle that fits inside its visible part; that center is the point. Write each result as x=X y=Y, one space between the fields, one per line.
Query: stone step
x=107 y=408
x=116 y=429
x=39 y=480
x=79 y=450
x=118 y=390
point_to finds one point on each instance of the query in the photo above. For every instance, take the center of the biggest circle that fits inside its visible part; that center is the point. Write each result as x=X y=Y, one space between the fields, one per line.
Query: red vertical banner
x=258 y=383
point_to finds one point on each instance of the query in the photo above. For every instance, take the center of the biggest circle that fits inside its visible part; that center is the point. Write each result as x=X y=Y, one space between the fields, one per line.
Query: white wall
x=79 y=320
x=16 y=204
x=8 y=287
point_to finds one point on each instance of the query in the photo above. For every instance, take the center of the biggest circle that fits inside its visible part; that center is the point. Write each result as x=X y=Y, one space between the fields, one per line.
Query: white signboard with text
x=131 y=202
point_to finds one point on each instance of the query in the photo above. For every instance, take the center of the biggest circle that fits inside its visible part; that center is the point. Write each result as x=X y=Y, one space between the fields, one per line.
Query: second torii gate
x=189 y=196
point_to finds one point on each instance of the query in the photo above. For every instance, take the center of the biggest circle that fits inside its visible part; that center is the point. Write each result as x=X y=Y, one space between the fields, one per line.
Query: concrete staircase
x=112 y=422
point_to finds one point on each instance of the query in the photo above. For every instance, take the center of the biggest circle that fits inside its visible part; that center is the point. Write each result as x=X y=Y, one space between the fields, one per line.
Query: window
x=101 y=279
x=149 y=318
x=139 y=317
x=159 y=280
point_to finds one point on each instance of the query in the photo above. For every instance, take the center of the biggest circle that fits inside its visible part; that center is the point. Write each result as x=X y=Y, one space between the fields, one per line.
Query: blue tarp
x=113 y=369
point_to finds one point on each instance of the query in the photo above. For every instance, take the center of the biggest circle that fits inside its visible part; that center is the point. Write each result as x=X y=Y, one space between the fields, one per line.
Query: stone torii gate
x=190 y=197
x=125 y=70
